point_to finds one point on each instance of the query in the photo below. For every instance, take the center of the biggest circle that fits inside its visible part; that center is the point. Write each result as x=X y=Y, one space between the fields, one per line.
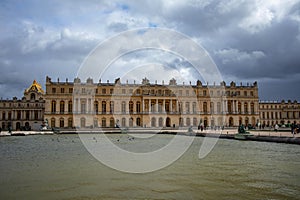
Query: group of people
x=295 y=128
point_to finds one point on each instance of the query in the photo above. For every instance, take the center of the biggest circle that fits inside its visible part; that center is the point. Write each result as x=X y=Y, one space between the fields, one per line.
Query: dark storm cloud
x=249 y=40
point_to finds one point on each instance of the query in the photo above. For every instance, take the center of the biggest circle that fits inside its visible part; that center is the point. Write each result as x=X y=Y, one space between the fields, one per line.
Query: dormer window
x=32 y=96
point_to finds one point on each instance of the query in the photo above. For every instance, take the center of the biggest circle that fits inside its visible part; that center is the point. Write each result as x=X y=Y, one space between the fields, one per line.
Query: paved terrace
x=226 y=131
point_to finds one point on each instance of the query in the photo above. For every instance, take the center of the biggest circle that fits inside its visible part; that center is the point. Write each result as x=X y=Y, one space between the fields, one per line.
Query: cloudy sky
x=251 y=40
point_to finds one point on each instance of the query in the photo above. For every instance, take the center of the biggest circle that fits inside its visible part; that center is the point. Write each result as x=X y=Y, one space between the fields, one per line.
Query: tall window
x=112 y=122
x=160 y=122
x=61 y=107
x=246 y=107
x=138 y=121
x=131 y=122
x=61 y=122
x=180 y=107
x=194 y=107
x=123 y=123
x=36 y=115
x=27 y=114
x=103 y=107
x=187 y=107
x=138 y=107
x=123 y=108
x=32 y=96
x=70 y=122
x=239 y=107
x=82 y=122
x=130 y=107
x=70 y=107
x=83 y=107
x=218 y=107
x=96 y=107
x=167 y=106
x=103 y=122
x=188 y=121
x=153 y=106
x=160 y=106
x=18 y=115
x=53 y=106
x=212 y=108
x=205 y=107
x=3 y=116
x=52 y=122
x=111 y=107
x=252 y=108
x=9 y=115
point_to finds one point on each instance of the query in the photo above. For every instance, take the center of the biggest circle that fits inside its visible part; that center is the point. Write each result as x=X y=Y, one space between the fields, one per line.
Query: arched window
x=96 y=107
x=180 y=121
x=70 y=122
x=123 y=109
x=32 y=96
x=53 y=106
x=138 y=121
x=205 y=107
x=160 y=122
x=252 y=108
x=103 y=122
x=70 y=107
x=103 y=107
x=18 y=115
x=123 y=122
x=188 y=121
x=138 y=107
x=112 y=122
x=131 y=122
x=95 y=122
x=246 y=107
x=194 y=121
x=82 y=122
x=83 y=107
x=52 y=122
x=229 y=104
x=61 y=107
x=212 y=107
x=218 y=107
x=239 y=107
x=61 y=122
x=153 y=122
x=187 y=107
x=246 y=121
x=130 y=106
x=194 y=107
x=167 y=106
x=111 y=107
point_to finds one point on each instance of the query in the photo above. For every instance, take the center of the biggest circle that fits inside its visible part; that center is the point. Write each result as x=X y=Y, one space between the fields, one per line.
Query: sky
x=248 y=40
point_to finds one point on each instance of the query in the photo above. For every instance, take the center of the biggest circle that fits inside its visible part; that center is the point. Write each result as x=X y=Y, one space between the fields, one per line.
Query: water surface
x=59 y=167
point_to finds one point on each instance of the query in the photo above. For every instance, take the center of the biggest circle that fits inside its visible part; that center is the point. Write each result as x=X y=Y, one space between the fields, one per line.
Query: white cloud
x=265 y=12
x=234 y=55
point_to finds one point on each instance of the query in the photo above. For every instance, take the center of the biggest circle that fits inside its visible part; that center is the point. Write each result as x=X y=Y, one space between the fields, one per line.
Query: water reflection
x=59 y=167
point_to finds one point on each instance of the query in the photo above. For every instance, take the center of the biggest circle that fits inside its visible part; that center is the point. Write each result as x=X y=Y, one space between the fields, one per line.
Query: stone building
x=145 y=104
x=281 y=113
x=26 y=113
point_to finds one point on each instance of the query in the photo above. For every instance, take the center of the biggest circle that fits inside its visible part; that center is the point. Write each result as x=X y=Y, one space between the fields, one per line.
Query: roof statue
x=34 y=87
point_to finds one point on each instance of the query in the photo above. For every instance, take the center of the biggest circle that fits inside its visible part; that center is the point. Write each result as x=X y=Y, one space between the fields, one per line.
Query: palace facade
x=26 y=113
x=88 y=104
x=275 y=112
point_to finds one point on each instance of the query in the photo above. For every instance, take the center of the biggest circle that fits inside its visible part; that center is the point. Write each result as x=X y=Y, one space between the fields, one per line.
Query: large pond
x=60 y=167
